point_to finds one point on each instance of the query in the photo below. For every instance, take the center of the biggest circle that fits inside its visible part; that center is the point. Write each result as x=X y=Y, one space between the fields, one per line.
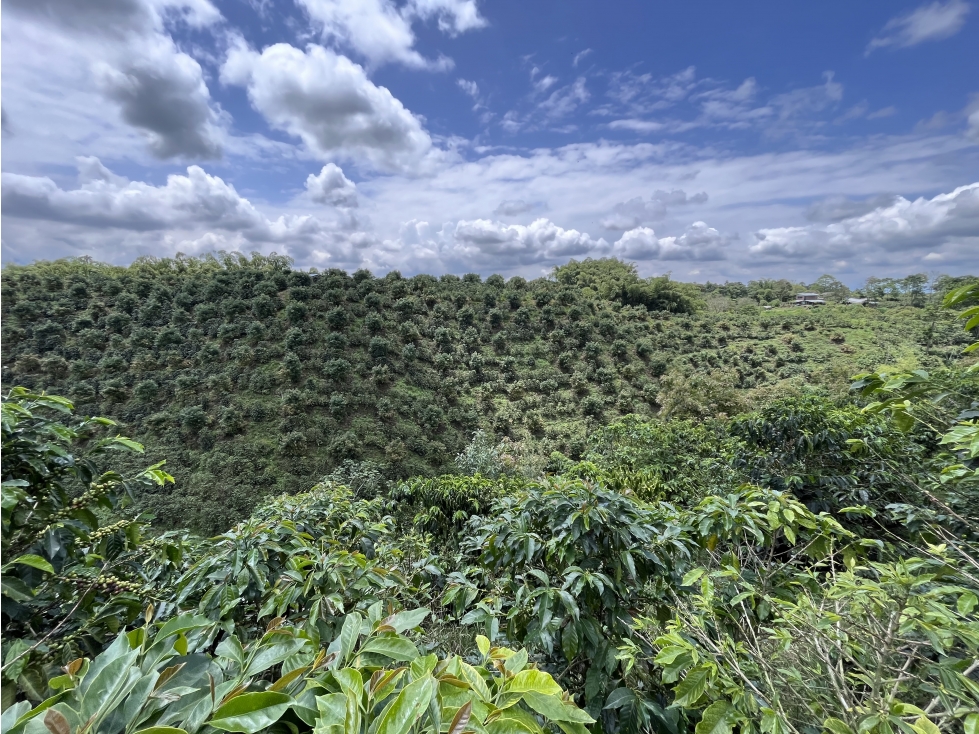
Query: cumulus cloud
x=698 y=242
x=638 y=211
x=485 y=243
x=163 y=92
x=381 y=32
x=330 y=186
x=196 y=211
x=327 y=100
x=902 y=225
x=159 y=89
x=932 y=22
x=541 y=240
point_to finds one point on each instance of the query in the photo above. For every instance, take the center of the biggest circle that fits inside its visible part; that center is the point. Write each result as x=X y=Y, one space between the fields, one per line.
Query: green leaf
x=516 y=662
x=251 y=712
x=349 y=634
x=183 y=623
x=924 y=725
x=971 y=724
x=570 y=641
x=716 y=719
x=534 y=680
x=620 y=697
x=966 y=603
x=15 y=589
x=516 y=721
x=126 y=442
x=691 y=577
x=483 y=644
x=556 y=709
x=353 y=690
x=402 y=713
x=13 y=714
x=422 y=666
x=403 y=621
x=231 y=648
x=332 y=710
x=33 y=561
x=836 y=726
x=692 y=687
x=396 y=648
x=162 y=730
x=268 y=655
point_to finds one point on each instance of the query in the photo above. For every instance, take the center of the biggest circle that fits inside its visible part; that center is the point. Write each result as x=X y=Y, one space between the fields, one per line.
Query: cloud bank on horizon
x=456 y=136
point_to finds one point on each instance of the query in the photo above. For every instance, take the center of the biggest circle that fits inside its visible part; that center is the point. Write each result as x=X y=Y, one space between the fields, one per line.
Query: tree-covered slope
x=252 y=378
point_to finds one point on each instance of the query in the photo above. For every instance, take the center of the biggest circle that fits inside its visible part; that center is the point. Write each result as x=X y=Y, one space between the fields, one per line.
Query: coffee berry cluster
x=107 y=584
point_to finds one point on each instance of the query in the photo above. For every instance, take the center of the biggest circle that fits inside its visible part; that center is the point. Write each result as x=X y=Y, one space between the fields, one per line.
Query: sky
x=709 y=140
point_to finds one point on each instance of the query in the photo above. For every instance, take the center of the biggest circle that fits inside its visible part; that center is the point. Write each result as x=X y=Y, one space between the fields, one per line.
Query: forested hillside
x=587 y=504
x=252 y=378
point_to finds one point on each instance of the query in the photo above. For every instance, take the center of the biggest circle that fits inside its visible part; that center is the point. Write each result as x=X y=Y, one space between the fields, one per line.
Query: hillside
x=254 y=379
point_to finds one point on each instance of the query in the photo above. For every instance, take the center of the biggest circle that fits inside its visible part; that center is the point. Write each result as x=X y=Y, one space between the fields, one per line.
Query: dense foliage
x=252 y=378
x=806 y=562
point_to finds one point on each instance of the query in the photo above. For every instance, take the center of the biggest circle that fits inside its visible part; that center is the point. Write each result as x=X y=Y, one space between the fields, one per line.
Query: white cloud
x=514 y=207
x=484 y=243
x=135 y=63
x=544 y=83
x=327 y=100
x=882 y=112
x=191 y=213
x=808 y=100
x=330 y=186
x=972 y=120
x=707 y=103
x=381 y=32
x=637 y=211
x=583 y=182
x=564 y=101
x=540 y=241
x=901 y=225
x=698 y=242
x=931 y=22
x=163 y=92
x=579 y=57
x=637 y=126
x=838 y=208
x=469 y=87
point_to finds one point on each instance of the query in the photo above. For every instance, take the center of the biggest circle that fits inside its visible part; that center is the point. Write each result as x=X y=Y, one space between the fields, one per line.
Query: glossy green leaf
x=533 y=680
x=395 y=648
x=34 y=561
x=400 y=715
x=836 y=726
x=556 y=709
x=349 y=634
x=716 y=719
x=692 y=687
x=250 y=712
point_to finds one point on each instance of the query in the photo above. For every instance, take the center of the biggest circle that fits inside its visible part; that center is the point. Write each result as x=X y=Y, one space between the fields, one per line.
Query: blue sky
x=705 y=139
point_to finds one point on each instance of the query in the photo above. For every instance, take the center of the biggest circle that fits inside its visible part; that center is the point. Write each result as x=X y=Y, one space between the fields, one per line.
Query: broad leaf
x=250 y=712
